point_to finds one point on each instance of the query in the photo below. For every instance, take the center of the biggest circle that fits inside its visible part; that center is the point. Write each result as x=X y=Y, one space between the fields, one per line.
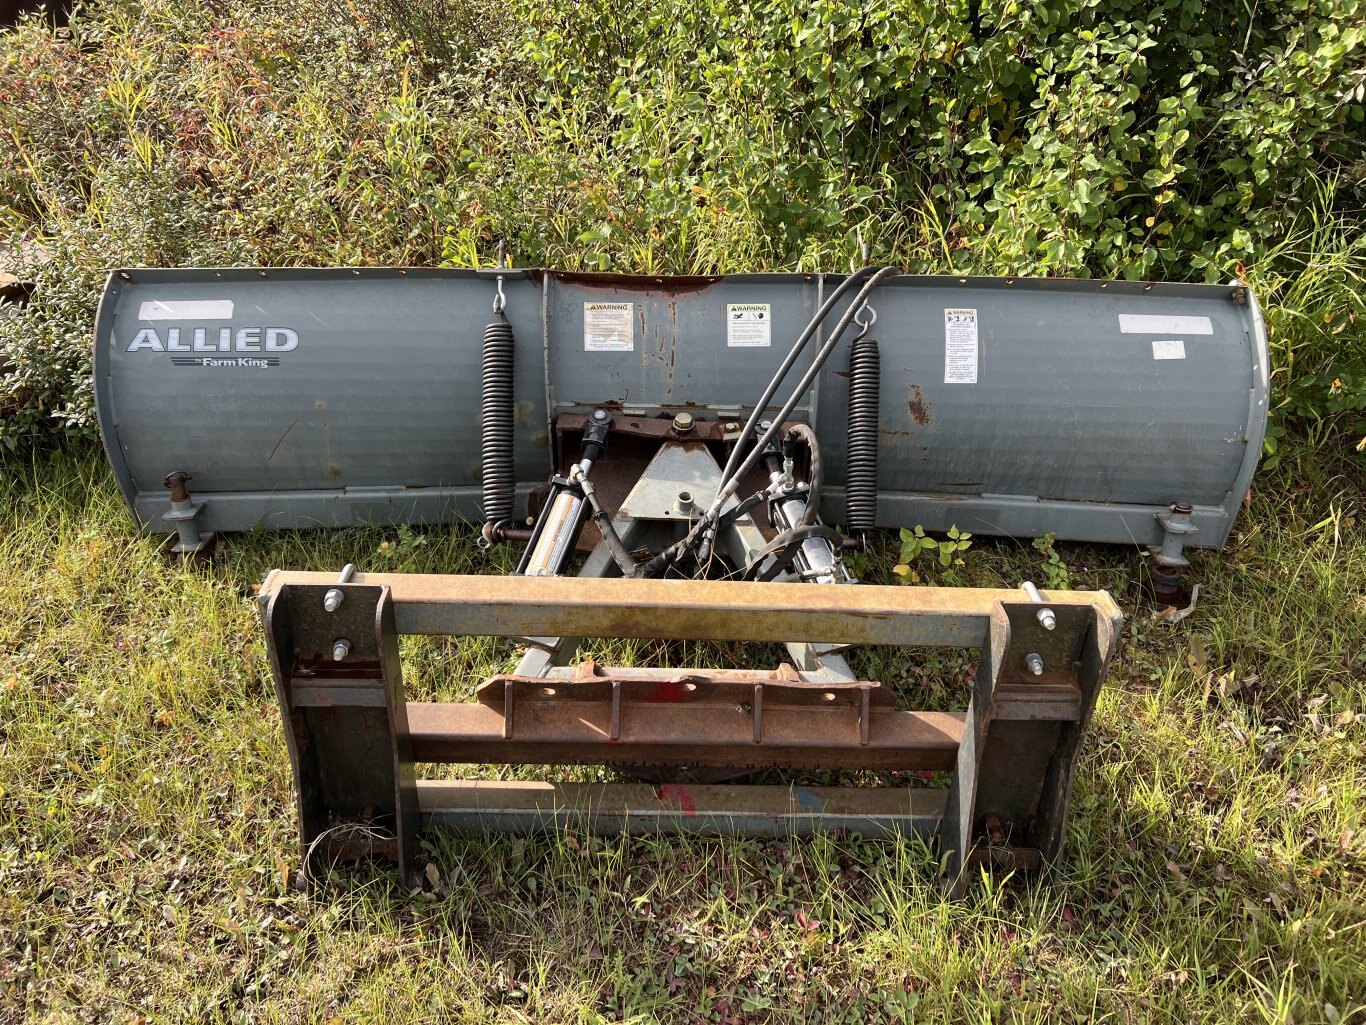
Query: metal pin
x=1046 y=616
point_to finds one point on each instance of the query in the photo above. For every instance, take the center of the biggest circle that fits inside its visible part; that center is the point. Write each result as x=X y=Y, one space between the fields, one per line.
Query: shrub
x=1180 y=140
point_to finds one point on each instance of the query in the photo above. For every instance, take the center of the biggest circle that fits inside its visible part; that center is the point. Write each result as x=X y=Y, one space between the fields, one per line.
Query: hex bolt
x=340 y=649
x=1046 y=616
x=1034 y=663
x=683 y=423
x=335 y=596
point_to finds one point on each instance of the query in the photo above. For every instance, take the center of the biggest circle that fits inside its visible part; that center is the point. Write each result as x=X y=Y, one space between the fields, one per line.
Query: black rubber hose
x=731 y=478
x=784 y=549
x=610 y=537
x=811 y=328
x=496 y=452
x=860 y=474
x=817 y=362
x=815 y=472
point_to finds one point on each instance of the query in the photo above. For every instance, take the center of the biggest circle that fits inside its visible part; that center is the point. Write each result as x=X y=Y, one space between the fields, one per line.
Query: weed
x=916 y=544
x=1054 y=568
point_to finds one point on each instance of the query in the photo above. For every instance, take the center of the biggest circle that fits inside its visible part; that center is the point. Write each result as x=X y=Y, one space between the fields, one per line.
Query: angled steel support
x=1032 y=699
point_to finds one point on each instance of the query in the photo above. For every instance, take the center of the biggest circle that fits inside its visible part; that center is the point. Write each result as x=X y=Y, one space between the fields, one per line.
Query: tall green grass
x=1216 y=868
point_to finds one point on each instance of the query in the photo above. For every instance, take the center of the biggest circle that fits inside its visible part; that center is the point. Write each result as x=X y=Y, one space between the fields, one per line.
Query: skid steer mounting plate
x=355 y=740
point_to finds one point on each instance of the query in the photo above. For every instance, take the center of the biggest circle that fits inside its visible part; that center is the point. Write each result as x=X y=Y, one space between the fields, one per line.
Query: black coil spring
x=860 y=478
x=499 y=476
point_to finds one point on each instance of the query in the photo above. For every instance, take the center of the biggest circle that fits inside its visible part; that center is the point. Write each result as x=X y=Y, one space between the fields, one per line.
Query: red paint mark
x=669 y=691
x=678 y=792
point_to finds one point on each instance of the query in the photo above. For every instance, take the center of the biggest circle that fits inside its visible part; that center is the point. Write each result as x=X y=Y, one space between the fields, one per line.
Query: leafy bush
x=1180 y=140
x=1070 y=136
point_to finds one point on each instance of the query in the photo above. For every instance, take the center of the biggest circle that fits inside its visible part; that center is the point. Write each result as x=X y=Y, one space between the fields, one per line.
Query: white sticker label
x=960 y=346
x=1158 y=324
x=609 y=327
x=748 y=324
x=186 y=309
x=1169 y=348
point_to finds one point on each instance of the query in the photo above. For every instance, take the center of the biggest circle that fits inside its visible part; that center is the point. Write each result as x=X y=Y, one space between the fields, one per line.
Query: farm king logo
x=247 y=347
x=254 y=348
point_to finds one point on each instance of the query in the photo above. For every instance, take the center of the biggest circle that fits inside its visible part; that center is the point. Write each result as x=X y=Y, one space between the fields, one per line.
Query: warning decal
x=960 y=346
x=748 y=324
x=609 y=327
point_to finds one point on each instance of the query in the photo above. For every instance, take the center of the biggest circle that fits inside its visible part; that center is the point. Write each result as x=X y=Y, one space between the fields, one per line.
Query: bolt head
x=683 y=422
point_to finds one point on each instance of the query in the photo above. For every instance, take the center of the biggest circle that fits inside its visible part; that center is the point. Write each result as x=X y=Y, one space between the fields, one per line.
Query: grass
x=1217 y=866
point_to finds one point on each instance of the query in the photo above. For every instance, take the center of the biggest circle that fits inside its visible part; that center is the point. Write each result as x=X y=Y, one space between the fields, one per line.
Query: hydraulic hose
x=812 y=326
x=731 y=476
x=815 y=473
x=730 y=484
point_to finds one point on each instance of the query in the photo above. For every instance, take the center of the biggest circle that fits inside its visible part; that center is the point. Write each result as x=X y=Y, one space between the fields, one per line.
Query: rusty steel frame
x=687 y=610
x=354 y=739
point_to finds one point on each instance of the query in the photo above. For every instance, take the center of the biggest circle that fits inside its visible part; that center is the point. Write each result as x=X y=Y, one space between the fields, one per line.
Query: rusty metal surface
x=1008 y=801
x=628 y=706
x=634 y=447
x=1047 y=699
x=608 y=809
x=1015 y=765
x=670 y=285
x=691 y=609
x=346 y=720
x=722 y=429
x=589 y=671
x=355 y=740
x=682 y=734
